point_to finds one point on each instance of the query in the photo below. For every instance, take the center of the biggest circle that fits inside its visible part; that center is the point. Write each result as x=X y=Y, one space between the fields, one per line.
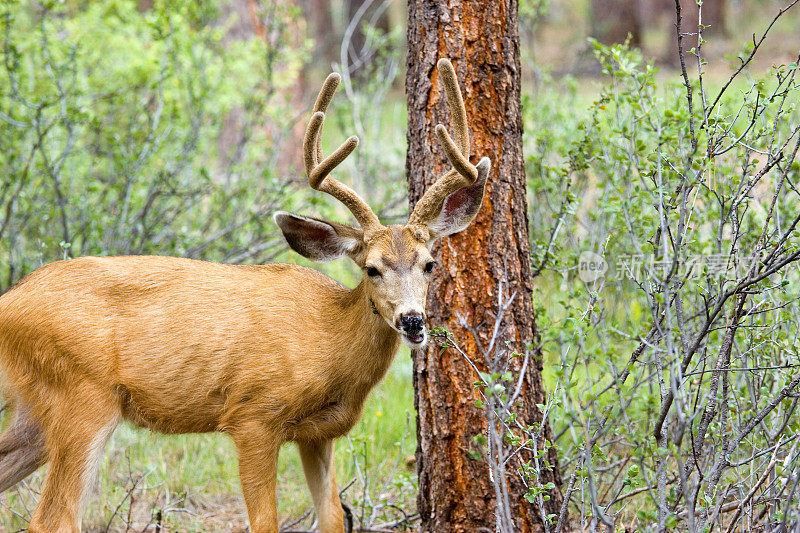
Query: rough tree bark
x=482 y=41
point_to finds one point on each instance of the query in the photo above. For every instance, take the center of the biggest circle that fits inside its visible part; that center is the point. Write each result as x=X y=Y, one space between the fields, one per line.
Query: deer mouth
x=415 y=340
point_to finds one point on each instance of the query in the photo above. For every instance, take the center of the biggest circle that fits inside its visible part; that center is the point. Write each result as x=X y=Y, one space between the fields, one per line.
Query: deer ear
x=460 y=207
x=319 y=240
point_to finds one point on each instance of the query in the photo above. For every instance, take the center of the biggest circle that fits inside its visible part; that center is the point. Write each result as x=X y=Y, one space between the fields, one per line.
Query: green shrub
x=131 y=133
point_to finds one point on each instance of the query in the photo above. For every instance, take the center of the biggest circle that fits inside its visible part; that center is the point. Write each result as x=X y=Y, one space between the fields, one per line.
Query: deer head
x=396 y=260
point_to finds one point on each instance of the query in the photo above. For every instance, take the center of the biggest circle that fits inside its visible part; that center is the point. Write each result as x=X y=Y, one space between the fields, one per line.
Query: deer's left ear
x=461 y=207
x=319 y=240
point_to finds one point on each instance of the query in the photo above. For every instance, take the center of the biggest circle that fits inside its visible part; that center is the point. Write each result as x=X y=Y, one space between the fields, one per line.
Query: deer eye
x=373 y=272
x=429 y=266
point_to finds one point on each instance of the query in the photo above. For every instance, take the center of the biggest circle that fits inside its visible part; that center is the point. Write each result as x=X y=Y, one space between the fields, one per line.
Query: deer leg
x=76 y=429
x=258 y=472
x=318 y=466
x=22 y=450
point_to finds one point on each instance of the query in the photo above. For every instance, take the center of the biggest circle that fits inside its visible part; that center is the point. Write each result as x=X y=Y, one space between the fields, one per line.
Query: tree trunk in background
x=319 y=17
x=614 y=20
x=714 y=16
x=247 y=19
x=358 y=38
x=361 y=14
x=455 y=493
x=713 y=20
x=144 y=5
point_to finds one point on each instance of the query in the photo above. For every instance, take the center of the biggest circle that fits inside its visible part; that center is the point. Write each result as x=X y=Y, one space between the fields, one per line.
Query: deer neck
x=365 y=339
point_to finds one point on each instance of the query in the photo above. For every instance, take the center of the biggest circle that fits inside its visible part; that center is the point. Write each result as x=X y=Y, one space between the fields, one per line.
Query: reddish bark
x=482 y=41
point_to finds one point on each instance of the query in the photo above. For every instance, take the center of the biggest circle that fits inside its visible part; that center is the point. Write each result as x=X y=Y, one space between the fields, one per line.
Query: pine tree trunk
x=482 y=41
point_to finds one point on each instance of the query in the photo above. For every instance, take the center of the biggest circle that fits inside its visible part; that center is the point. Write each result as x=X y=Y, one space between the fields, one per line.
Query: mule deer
x=266 y=354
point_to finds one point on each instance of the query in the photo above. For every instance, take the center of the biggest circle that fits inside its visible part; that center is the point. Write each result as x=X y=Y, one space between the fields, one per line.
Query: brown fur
x=180 y=346
x=267 y=354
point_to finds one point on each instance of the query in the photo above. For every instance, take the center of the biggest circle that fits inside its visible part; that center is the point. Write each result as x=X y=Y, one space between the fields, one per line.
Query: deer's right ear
x=319 y=240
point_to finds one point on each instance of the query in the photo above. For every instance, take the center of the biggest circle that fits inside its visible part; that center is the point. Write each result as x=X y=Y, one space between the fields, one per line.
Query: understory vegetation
x=663 y=206
x=673 y=333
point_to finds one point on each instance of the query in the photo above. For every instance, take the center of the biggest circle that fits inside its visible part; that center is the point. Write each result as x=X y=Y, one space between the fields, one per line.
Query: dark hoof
x=348 y=519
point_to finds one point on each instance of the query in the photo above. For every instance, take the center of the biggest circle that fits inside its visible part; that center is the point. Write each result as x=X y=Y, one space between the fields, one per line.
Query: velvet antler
x=318 y=167
x=463 y=174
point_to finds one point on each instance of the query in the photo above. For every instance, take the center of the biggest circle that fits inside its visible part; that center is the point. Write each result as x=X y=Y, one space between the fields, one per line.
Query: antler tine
x=457 y=158
x=463 y=173
x=323 y=99
x=458 y=113
x=318 y=168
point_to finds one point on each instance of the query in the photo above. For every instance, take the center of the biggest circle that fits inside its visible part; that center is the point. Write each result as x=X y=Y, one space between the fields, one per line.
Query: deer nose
x=412 y=324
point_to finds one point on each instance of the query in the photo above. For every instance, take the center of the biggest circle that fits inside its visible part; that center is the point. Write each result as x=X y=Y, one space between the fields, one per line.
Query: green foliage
x=127 y=132
x=688 y=204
